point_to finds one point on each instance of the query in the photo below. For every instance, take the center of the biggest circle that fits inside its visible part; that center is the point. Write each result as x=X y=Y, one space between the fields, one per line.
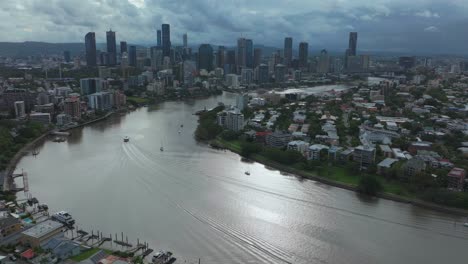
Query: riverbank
x=24 y=150
x=350 y=185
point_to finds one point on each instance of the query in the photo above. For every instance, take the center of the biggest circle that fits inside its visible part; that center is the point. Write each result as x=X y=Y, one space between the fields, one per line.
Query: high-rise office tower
x=257 y=57
x=221 y=58
x=66 y=56
x=324 y=62
x=303 y=54
x=249 y=53
x=352 y=43
x=241 y=49
x=288 y=42
x=263 y=73
x=185 y=40
x=111 y=47
x=166 y=40
x=132 y=56
x=205 y=57
x=123 y=47
x=230 y=62
x=159 y=43
x=90 y=45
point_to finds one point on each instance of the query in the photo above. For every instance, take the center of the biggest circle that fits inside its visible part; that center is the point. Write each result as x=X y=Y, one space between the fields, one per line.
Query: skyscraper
x=230 y=65
x=280 y=72
x=205 y=57
x=132 y=56
x=241 y=49
x=159 y=38
x=249 y=53
x=257 y=57
x=166 y=40
x=123 y=47
x=185 y=40
x=288 y=42
x=111 y=47
x=221 y=58
x=263 y=74
x=352 y=43
x=303 y=54
x=90 y=45
x=324 y=62
x=66 y=56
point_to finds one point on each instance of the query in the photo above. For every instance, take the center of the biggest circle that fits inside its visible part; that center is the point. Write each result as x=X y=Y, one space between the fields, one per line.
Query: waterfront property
x=41 y=233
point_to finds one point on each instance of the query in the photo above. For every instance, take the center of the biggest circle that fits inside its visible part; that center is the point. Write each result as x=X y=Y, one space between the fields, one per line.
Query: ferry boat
x=64 y=218
x=126 y=139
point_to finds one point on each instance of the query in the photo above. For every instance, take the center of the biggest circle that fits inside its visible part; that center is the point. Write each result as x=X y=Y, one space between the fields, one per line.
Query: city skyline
x=322 y=25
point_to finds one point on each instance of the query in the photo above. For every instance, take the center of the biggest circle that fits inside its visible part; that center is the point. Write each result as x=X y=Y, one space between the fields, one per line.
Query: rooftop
x=387 y=163
x=42 y=229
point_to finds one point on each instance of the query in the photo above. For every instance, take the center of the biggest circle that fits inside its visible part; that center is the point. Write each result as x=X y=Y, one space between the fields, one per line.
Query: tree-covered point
x=207 y=128
x=10 y=143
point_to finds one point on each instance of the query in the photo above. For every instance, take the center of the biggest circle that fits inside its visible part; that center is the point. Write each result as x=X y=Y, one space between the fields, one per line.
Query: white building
x=232 y=81
x=43 y=118
x=247 y=76
x=314 y=151
x=257 y=101
x=100 y=101
x=300 y=146
x=63 y=119
x=241 y=101
x=20 y=110
x=231 y=119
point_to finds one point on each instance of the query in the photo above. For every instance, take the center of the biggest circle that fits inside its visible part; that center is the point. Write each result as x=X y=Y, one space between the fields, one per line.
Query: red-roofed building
x=260 y=137
x=28 y=254
x=456 y=179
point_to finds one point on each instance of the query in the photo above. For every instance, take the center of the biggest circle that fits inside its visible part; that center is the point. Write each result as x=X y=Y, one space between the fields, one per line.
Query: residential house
x=456 y=179
x=62 y=248
x=260 y=137
x=334 y=152
x=385 y=165
x=419 y=145
x=346 y=155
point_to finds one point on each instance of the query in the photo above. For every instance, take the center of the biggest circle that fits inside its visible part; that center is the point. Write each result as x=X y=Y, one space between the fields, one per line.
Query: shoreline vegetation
x=345 y=176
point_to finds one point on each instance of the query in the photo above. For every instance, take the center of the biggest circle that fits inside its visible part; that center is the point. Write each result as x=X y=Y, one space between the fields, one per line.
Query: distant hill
x=30 y=48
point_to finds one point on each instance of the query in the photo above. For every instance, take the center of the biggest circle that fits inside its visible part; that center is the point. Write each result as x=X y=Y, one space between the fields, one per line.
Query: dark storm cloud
x=430 y=25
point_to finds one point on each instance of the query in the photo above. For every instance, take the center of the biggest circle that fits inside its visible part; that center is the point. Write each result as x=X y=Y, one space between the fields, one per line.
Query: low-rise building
x=314 y=151
x=9 y=225
x=456 y=179
x=278 y=139
x=299 y=145
x=413 y=167
x=43 y=118
x=385 y=165
x=63 y=119
x=41 y=233
x=364 y=155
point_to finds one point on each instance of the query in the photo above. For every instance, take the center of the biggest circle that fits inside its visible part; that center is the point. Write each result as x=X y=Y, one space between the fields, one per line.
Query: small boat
x=465 y=224
x=181 y=125
x=161 y=149
x=247 y=172
x=179 y=131
x=126 y=139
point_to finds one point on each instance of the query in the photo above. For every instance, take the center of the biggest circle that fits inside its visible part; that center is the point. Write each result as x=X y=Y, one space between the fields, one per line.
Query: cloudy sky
x=438 y=26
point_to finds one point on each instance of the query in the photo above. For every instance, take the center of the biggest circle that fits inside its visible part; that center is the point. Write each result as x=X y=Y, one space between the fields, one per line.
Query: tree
x=369 y=185
x=247 y=149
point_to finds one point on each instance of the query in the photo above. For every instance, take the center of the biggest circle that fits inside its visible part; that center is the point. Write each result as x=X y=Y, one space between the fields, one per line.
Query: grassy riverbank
x=344 y=176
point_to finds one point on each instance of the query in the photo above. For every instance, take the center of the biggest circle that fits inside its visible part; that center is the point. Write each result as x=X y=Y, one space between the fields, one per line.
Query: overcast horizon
x=420 y=26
